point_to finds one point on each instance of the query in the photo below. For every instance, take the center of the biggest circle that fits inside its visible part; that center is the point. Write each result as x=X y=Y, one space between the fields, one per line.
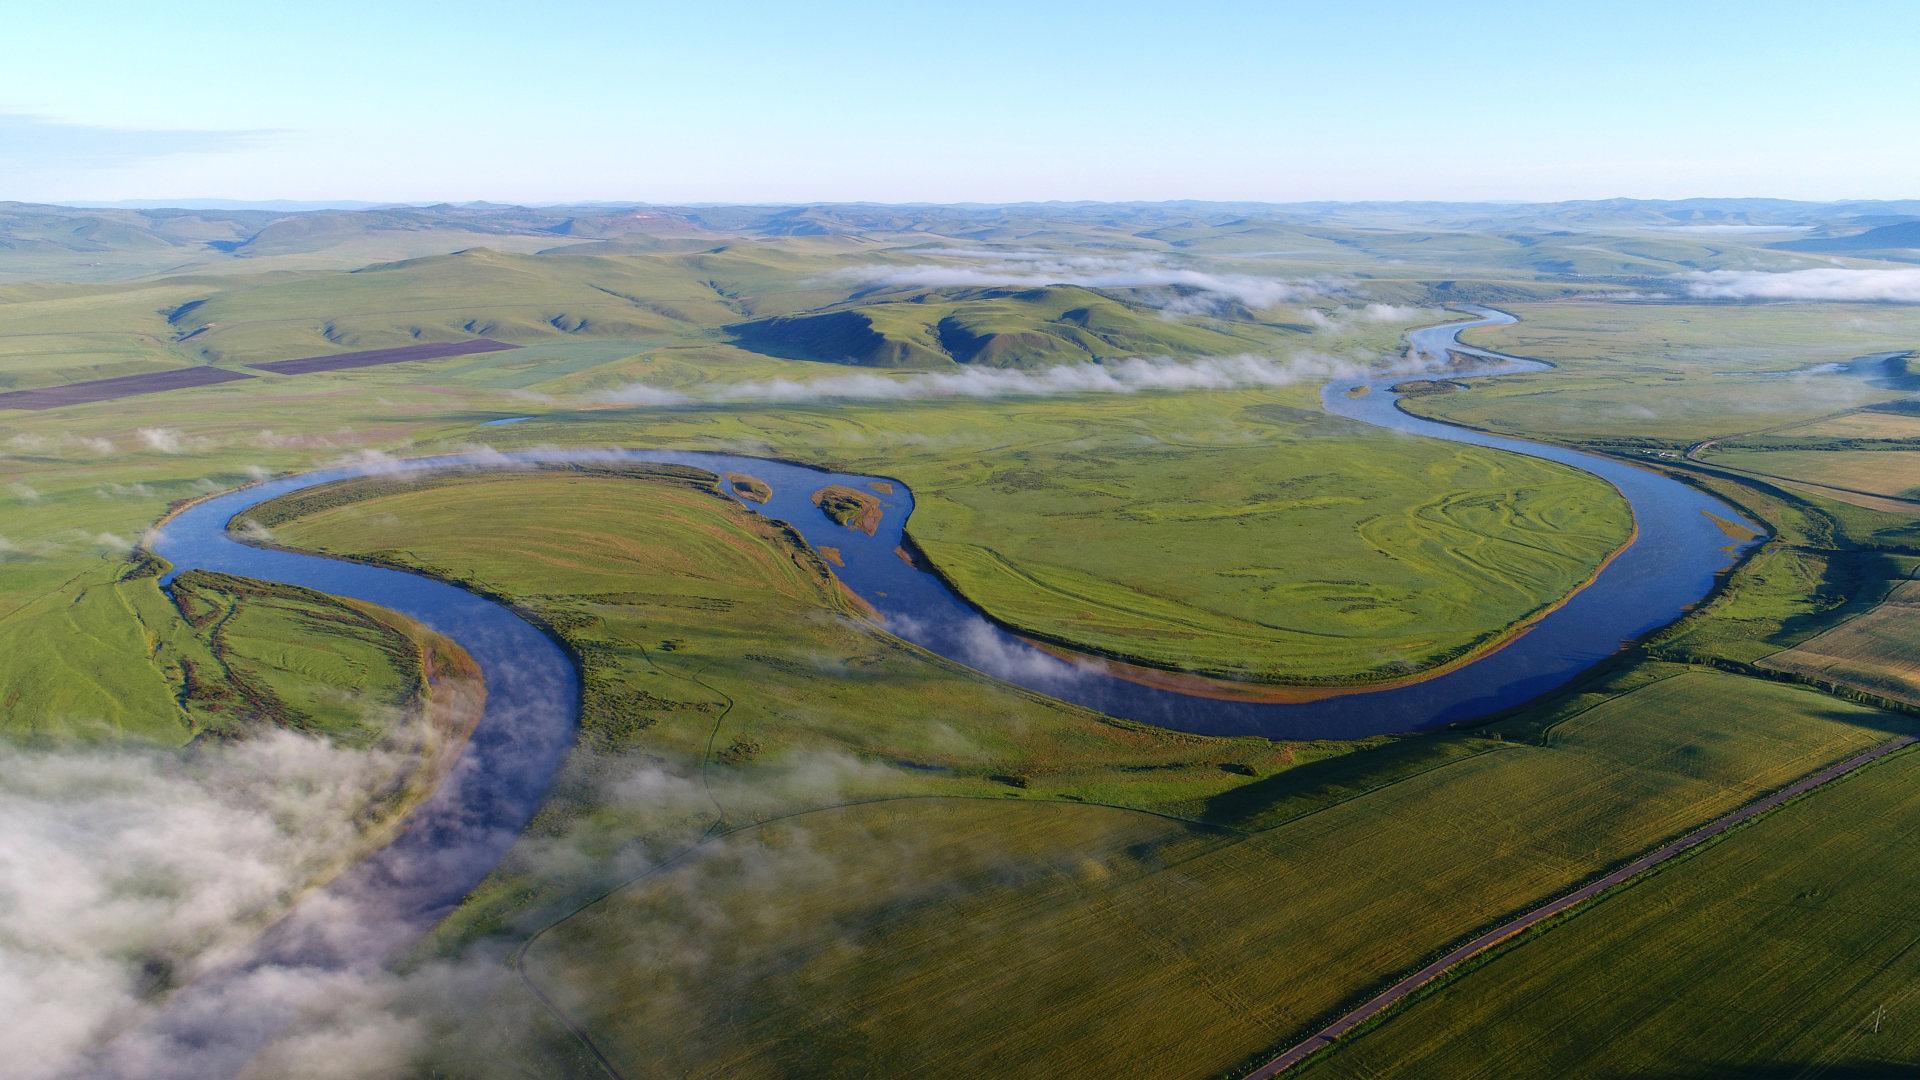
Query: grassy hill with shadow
x=996 y=327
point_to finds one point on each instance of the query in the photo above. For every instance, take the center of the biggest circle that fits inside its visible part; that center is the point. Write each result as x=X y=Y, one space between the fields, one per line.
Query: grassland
x=62 y=333
x=1864 y=424
x=678 y=601
x=1825 y=561
x=1445 y=548
x=299 y=660
x=1254 y=936
x=985 y=934
x=1677 y=374
x=218 y=658
x=1236 y=533
x=475 y=293
x=1786 y=948
x=1877 y=650
x=1890 y=472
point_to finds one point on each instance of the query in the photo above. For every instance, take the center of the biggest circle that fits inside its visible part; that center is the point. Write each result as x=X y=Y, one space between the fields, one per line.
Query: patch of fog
x=1183 y=288
x=124 y=871
x=1863 y=286
x=979 y=645
x=135 y=885
x=1246 y=371
x=1347 y=320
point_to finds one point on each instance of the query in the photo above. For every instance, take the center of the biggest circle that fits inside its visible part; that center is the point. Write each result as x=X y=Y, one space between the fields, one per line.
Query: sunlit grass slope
x=474 y=293
x=51 y=334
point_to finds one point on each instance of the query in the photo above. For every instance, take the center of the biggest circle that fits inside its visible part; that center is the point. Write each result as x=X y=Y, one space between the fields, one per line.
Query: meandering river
x=455 y=838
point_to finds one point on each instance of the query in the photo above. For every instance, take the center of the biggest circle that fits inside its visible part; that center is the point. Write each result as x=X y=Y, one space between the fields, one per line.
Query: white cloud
x=1873 y=286
x=24 y=492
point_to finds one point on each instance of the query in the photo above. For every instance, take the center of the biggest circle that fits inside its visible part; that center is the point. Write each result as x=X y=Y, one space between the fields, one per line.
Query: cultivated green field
x=1891 y=472
x=1785 y=949
x=1866 y=424
x=1877 y=651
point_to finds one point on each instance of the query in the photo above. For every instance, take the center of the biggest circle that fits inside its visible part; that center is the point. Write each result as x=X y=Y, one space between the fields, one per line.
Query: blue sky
x=666 y=102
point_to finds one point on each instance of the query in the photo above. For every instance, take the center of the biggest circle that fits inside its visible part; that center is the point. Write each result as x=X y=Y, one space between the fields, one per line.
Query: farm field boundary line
x=1512 y=928
x=373 y=357
x=186 y=378
x=121 y=386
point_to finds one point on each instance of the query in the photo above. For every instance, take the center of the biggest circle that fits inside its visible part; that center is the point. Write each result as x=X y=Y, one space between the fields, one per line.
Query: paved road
x=1398 y=991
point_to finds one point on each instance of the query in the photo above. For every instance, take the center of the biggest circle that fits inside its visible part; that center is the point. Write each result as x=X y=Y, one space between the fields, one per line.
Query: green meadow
x=787 y=843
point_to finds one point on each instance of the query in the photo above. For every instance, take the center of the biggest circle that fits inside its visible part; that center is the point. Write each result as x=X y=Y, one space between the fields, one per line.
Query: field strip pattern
x=1399 y=991
x=374 y=357
x=82 y=393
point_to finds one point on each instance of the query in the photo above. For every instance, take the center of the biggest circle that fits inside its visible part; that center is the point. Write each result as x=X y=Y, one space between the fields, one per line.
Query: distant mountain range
x=249 y=228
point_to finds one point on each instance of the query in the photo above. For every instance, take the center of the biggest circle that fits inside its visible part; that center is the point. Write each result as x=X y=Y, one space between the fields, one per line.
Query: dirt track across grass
x=1396 y=993
x=80 y=393
x=373 y=357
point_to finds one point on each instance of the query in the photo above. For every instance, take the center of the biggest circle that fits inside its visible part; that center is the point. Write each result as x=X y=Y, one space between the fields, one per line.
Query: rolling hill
x=1899 y=239
x=473 y=293
x=996 y=327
